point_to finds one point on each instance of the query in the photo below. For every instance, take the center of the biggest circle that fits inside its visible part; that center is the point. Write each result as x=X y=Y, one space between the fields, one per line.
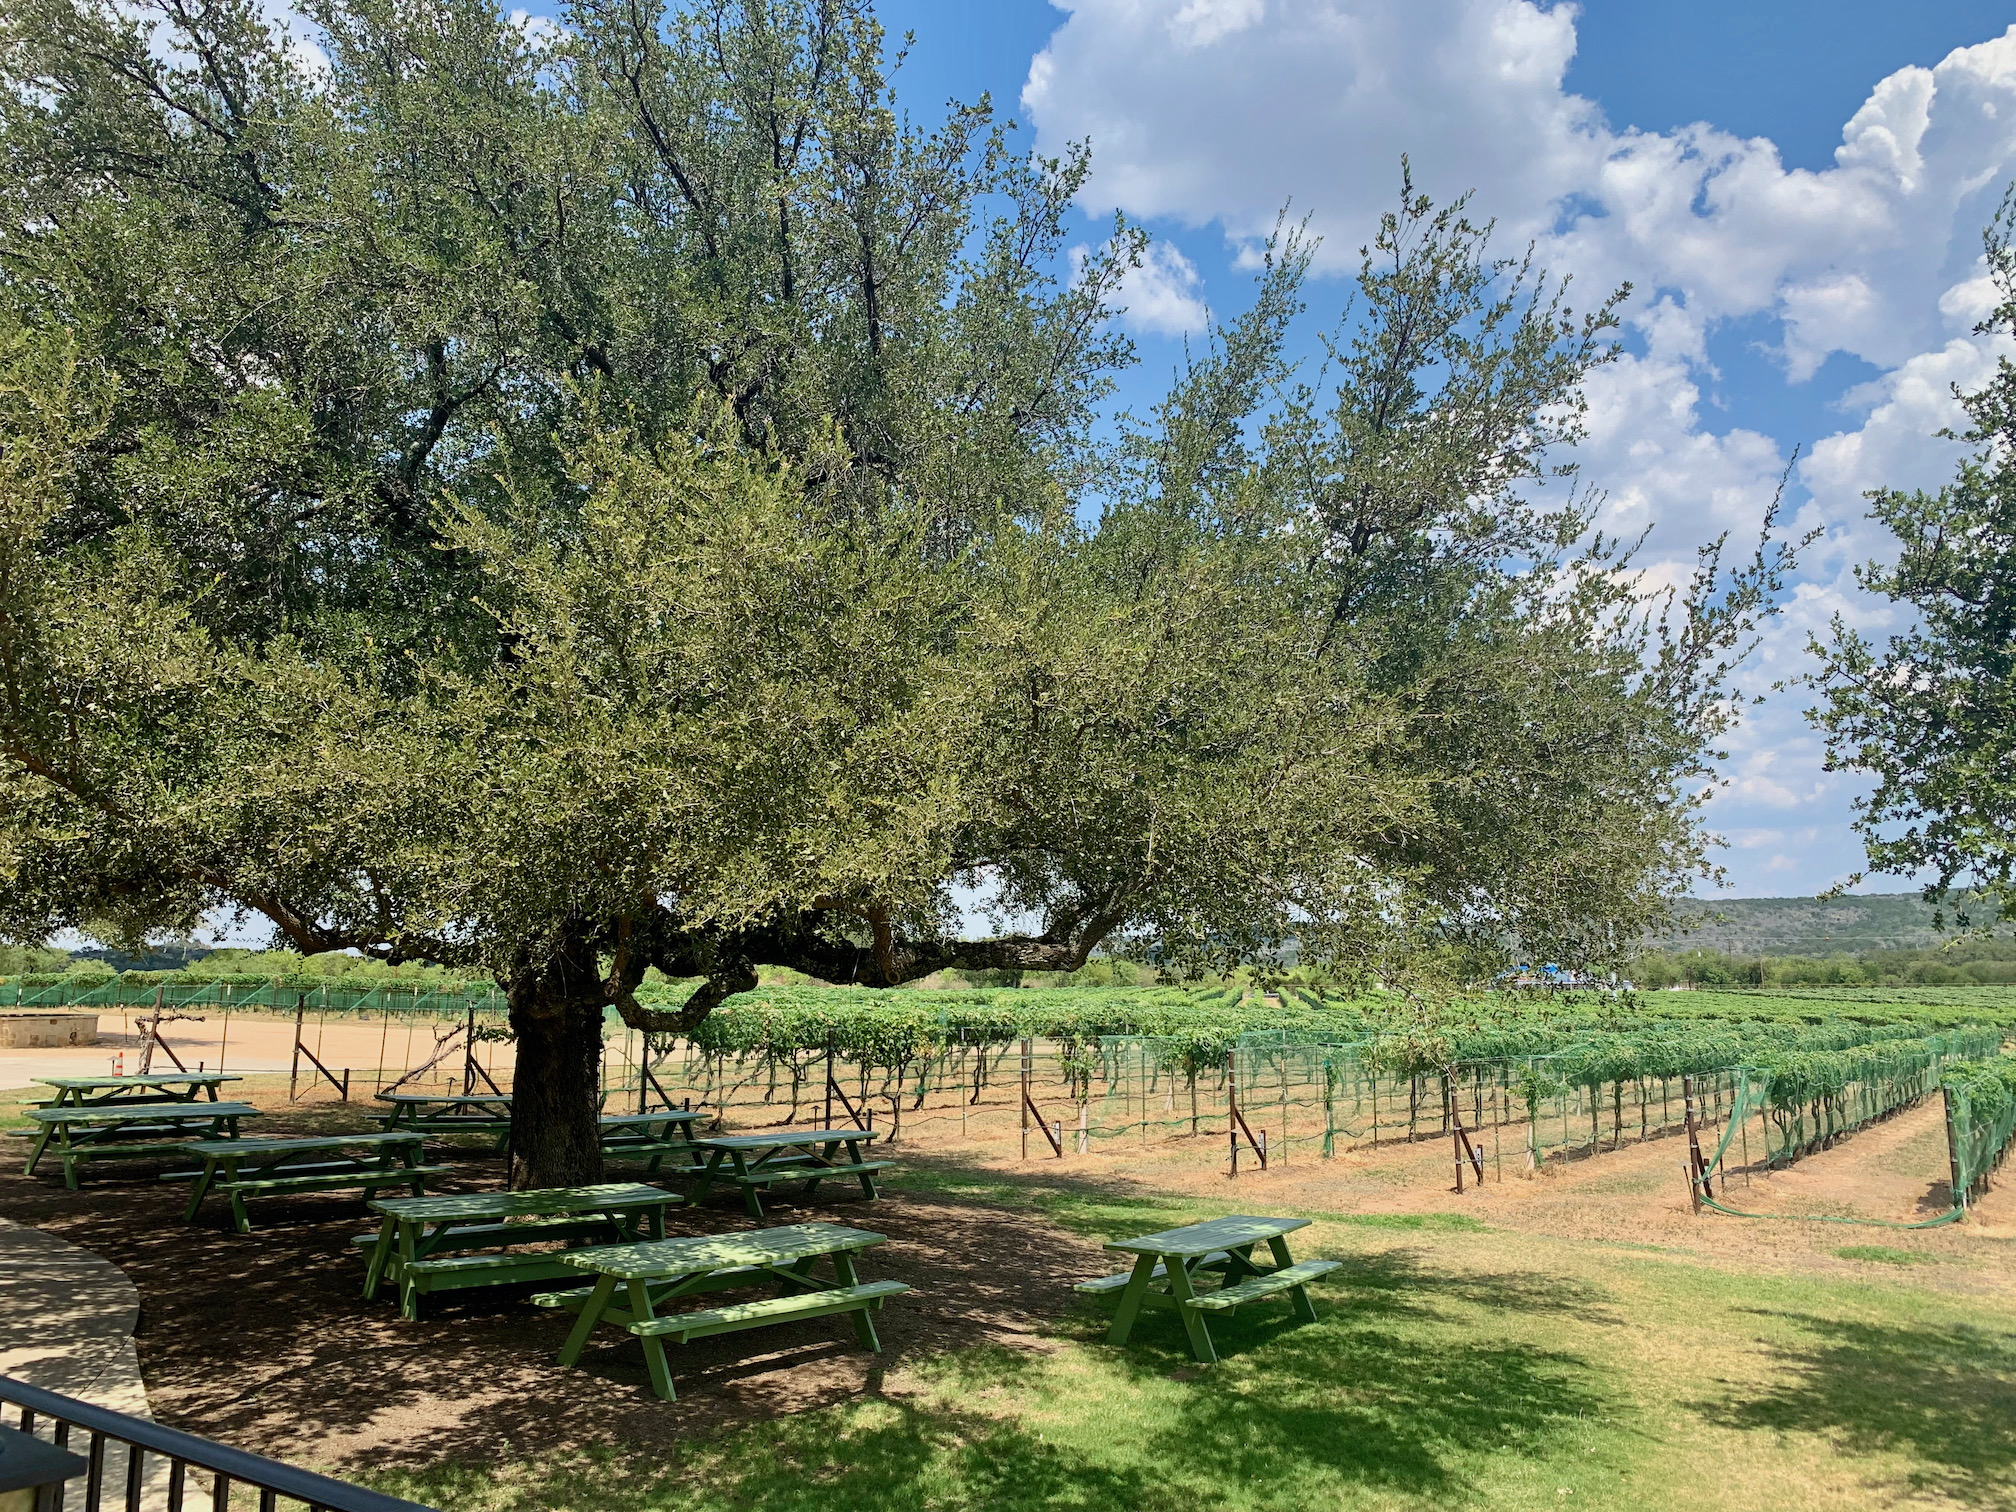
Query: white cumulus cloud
x=1216 y=113
x=1161 y=296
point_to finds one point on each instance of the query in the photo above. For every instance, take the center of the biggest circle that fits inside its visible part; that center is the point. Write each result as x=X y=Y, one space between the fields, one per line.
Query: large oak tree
x=563 y=504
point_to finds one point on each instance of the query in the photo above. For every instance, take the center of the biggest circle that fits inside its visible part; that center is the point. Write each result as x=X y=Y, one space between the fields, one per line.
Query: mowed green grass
x=1453 y=1367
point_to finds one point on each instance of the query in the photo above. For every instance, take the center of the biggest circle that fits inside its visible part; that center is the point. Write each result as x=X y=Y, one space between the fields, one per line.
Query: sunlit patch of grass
x=1450 y=1366
x=1884 y=1255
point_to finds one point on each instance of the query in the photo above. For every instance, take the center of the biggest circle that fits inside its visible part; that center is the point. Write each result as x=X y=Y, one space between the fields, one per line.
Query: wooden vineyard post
x=1025 y=1099
x=153 y=1032
x=341 y=1084
x=468 y=1047
x=1054 y=1136
x=1456 y=1140
x=1235 y=1123
x=1284 y=1104
x=1462 y=1149
x=1697 y=1175
x=1232 y=1107
x=300 y=1015
x=1329 y=1107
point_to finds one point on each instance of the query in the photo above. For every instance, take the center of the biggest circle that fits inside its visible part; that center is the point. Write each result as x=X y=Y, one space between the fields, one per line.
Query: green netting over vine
x=1807 y=1101
x=315 y=994
x=1980 y=1122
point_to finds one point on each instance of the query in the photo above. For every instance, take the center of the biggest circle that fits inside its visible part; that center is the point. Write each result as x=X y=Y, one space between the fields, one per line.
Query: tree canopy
x=564 y=502
x=1931 y=713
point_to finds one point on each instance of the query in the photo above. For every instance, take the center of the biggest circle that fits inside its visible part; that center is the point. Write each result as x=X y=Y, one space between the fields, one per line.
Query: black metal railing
x=144 y=1466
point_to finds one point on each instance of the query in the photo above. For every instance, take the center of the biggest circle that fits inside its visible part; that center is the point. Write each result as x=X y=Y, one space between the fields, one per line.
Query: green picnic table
x=1220 y=1249
x=115 y=1131
x=96 y=1091
x=448 y=1113
x=244 y=1168
x=650 y=1137
x=655 y=1273
x=424 y=1243
x=756 y=1161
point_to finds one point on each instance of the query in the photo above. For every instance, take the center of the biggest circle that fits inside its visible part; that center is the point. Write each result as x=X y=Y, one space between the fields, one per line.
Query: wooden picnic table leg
x=751 y=1199
x=1130 y=1299
x=1239 y=1264
x=854 y=1157
x=413 y=1158
x=800 y=1272
x=200 y=1188
x=864 y=1324
x=239 y=1220
x=826 y=1153
x=381 y=1252
x=1193 y=1320
x=1305 y=1310
x=584 y=1325
x=409 y=1287
x=654 y=1347
x=654 y=1220
x=72 y=1158
x=41 y=1144
x=707 y=1174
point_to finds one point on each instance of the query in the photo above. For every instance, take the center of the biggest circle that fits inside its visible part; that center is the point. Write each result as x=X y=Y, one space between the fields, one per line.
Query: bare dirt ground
x=251 y=1042
x=265 y=1340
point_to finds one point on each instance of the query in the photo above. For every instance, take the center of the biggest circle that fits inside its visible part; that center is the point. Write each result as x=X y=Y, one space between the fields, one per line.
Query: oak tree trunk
x=556 y=1014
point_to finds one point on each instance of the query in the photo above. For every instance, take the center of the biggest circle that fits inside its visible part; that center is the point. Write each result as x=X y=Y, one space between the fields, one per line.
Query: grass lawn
x=1454 y=1365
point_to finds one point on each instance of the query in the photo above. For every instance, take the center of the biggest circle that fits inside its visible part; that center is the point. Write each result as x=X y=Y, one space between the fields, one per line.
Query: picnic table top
x=588 y=1199
x=123 y=1113
x=705 y=1252
x=97 y=1083
x=1203 y=1238
x=641 y=1120
x=779 y=1139
x=453 y=1098
x=274 y=1144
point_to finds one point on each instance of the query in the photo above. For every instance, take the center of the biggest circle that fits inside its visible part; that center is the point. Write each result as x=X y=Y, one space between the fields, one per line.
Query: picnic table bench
x=95 y=1091
x=424 y=1243
x=651 y=1137
x=448 y=1113
x=115 y=1131
x=655 y=1273
x=243 y=1168
x=807 y=1155
x=1221 y=1249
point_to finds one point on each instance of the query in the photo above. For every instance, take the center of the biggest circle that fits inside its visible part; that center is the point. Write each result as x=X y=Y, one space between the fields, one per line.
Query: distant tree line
x=1964 y=963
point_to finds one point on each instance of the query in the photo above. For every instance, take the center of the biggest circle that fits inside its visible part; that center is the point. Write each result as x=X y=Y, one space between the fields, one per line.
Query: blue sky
x=1795 y=188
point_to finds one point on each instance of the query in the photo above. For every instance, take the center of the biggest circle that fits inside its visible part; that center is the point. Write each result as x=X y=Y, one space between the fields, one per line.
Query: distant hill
x=1805 y=926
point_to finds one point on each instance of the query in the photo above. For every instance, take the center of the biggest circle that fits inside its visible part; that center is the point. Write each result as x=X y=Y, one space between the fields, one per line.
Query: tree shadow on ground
x=899 y=1457
x=265 y=1341
x=1373 y=1397
x=1945 y=1395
